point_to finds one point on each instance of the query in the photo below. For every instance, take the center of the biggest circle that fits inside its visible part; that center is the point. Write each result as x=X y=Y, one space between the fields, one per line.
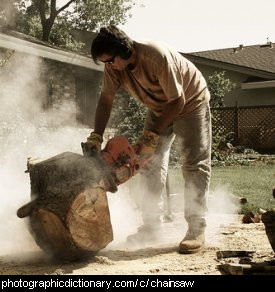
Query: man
x=177 y=98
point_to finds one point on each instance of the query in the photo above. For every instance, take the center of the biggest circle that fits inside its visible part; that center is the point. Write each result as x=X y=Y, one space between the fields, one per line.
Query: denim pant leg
x=153 y=176
x=195 y=132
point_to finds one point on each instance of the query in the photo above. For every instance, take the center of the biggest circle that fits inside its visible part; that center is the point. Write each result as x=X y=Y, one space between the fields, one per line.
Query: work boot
x=145 y=234
x=194 y=238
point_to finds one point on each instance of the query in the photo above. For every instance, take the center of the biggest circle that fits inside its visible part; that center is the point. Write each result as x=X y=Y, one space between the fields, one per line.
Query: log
x=69 y=214
x=250 y=217
x=222 y=254
x=252 y=269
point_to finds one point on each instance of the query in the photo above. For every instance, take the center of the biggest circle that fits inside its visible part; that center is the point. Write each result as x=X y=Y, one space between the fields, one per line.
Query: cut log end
x=89 y=220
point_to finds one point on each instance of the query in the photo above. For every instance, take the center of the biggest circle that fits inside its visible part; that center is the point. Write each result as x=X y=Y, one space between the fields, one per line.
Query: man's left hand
x=146 y=144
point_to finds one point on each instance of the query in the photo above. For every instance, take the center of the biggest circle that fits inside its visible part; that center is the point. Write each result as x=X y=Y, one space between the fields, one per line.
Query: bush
x=132 y=120
x=219 y=86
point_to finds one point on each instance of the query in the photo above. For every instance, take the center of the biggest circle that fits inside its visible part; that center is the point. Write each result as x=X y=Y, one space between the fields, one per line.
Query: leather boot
x=194 y=238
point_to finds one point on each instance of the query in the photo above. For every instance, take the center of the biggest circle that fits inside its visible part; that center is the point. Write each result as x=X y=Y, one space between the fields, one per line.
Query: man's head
x=113 y=47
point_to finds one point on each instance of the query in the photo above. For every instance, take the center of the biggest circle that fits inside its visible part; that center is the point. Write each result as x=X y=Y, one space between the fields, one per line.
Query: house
x=68 y=75
x=250 y=106
x=251 y=68
x=75 y=77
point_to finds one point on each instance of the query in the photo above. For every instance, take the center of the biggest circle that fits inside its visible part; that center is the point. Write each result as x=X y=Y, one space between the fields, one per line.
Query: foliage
x=225 y=154
x=133 y=119
x=219 y=86
x=44 y=20
x=221 y=142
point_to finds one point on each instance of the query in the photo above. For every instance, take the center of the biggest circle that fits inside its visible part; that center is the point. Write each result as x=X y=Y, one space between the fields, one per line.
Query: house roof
x=258 y=60
x=30 y=45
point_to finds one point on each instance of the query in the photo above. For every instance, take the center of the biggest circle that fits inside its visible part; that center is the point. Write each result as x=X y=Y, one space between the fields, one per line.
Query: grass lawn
x=255 y=183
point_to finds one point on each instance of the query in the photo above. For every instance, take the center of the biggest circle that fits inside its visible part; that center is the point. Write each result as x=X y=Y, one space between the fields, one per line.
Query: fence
x=253 y=126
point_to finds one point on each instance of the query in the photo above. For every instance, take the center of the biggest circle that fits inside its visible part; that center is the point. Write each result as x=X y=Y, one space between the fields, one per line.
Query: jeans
x=194 y=131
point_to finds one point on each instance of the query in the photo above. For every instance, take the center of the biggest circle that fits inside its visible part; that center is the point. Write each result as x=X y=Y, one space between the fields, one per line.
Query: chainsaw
x=118 y=162
x=69 y=212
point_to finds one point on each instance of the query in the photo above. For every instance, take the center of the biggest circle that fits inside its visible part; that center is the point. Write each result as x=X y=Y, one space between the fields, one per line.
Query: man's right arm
x=103 y=112
x=102 y=116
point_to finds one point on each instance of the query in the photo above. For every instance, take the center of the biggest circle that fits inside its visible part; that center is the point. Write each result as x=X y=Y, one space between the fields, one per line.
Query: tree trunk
x=47 y=26
x=69 y=214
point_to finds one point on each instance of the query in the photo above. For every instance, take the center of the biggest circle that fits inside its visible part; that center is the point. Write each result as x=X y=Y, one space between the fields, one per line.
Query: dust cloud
x=222 y=201
x=125 y=216
x=27 y=131
x=222 y=209
x=9 y=17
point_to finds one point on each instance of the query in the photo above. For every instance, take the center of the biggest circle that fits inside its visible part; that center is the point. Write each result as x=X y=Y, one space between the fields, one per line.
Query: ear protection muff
x=125 y=52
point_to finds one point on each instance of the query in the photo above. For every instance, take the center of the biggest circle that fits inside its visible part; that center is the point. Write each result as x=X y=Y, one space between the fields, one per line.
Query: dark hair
x=112 y=41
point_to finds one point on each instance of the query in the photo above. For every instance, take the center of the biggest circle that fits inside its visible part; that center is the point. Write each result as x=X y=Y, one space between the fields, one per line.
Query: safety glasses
x=109 y=61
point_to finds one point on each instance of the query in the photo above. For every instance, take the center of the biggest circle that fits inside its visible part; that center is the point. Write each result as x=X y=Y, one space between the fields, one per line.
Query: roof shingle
x=259 y=57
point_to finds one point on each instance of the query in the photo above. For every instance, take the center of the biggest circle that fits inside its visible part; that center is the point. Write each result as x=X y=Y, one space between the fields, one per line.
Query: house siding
x=61 y=81
x=244 y=97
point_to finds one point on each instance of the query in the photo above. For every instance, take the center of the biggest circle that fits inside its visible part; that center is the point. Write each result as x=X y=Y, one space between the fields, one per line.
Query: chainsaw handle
x=142 y=161
x=27 y=209
x=136 y=148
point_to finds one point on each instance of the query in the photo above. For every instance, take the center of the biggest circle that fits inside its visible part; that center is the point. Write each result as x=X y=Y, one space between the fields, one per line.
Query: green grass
x=255 y=183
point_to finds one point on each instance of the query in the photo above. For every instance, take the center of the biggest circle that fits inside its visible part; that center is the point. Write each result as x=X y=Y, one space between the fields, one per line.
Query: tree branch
x=53 y=9
x=65 y=6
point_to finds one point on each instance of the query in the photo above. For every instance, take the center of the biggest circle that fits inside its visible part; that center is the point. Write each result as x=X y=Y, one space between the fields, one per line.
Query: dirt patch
x=224 y=232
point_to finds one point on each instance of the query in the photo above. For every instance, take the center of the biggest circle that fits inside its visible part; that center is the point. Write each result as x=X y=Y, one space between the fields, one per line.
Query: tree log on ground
x=69 y=214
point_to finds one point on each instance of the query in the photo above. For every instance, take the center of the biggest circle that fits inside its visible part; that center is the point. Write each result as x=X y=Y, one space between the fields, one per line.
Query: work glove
x=146 y=144
x=93 y=144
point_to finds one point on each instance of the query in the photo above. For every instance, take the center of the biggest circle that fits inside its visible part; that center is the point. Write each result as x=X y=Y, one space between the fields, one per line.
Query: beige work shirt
x=160 y=74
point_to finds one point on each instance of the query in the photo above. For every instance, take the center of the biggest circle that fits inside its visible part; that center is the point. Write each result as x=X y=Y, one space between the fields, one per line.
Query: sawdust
x=224 y=232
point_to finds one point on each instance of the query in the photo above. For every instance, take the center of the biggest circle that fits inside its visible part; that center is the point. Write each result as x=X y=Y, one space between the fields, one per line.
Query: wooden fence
x=253 y=126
